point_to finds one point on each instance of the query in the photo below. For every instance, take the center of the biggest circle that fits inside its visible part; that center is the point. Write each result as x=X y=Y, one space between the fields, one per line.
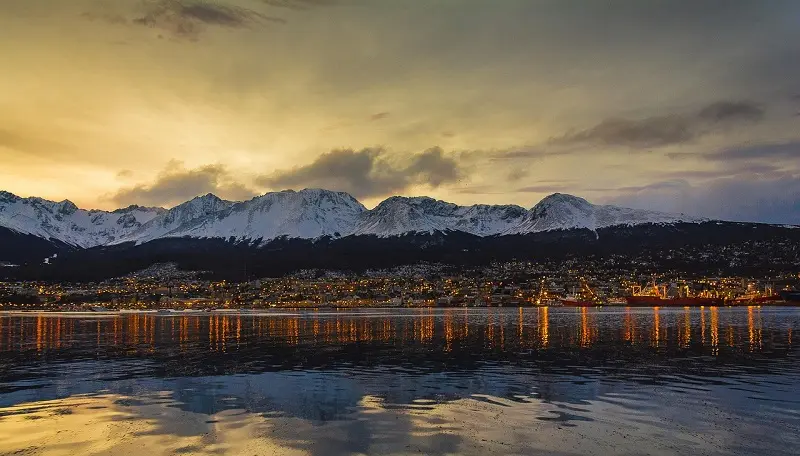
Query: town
x=511 y=284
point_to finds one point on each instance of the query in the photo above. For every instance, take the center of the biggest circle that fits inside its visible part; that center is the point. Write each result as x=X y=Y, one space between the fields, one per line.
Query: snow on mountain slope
x=488 y=220
x=399 y=215
x=562 y=212
x=63 y=221
x=307 y=214
x=179 y=216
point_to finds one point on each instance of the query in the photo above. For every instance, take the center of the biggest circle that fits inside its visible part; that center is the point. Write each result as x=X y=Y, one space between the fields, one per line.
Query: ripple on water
x=431 y=381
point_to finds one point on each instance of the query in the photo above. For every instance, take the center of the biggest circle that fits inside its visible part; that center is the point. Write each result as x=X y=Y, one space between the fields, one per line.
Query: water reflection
x=668 y=329
x=431 y=381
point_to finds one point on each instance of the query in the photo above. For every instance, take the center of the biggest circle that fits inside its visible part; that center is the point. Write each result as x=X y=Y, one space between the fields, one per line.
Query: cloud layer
x=369 y=172
x=657 y=131
x=176 y=184
x=771 y=198
x=187 y=17
x=523 y=97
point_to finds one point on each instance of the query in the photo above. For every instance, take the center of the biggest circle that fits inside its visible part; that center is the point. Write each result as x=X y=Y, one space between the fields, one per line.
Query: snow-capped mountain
x=308 y=214
x=399 y=215
x=176 y=218
x=64 y=222
x=562 y=212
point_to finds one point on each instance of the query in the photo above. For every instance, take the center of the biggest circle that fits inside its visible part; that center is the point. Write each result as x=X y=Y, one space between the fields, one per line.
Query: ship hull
x=573 y=303
x=656 y=301
x=758 y=300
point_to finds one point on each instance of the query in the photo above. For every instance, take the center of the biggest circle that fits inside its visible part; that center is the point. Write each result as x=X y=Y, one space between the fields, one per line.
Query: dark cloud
x=176 y=184
x=432 y=168
x=214 y=14
x=726 y=111
x=649 y=132
x=770 y=198
x=369 y=172
x=657 y=131
x=730 y=170
x=790 y=150
x=379 y=116
x=187 y=17
x=184 y=18
x=768 y=151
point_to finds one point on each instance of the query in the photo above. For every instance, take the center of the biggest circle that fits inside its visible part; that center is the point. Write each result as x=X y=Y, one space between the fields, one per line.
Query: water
x=711 y=381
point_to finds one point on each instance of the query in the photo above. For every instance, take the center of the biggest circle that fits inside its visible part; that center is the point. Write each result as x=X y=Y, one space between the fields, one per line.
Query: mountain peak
x=8 y=196
x=207 y=197
x=557 y=199
x=67 y=207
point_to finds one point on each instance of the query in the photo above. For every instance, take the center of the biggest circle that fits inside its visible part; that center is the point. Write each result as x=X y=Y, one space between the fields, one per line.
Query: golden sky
x=682 y=106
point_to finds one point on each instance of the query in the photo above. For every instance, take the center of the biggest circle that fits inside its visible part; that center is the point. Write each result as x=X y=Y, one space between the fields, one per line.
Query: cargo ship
x=656 y=296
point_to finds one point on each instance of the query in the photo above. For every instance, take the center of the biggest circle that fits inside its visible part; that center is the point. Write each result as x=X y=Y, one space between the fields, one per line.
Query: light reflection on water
x=430 y=381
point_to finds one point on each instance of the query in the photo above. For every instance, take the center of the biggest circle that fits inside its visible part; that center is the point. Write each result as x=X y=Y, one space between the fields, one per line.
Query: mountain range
x=307 y=214
x=282 y=232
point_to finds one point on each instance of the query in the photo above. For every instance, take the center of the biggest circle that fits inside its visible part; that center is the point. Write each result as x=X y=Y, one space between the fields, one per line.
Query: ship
x=656 y=296
x=576 y=301
x=586 y=297
x=755 y=297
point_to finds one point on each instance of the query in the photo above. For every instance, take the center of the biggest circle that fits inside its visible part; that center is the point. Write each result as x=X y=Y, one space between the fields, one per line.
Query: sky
x=682 y=106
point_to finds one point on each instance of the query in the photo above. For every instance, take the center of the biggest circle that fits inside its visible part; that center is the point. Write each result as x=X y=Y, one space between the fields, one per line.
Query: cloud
x=299 y=4
x=729 y=170
x=182 y=18
x=176 y=184
x=379 y=116
x=519 y=153
x=27 y=141
x=770 y=198
x=783 y=150
x=187 y=17
x=369 y=172
x=649 y=132
x=766 y=151
x=727 y=111
x=517 y=174
x=658 y=131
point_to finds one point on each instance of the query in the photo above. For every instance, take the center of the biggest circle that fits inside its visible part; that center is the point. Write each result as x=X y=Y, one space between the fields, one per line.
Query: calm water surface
x=712 y=381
